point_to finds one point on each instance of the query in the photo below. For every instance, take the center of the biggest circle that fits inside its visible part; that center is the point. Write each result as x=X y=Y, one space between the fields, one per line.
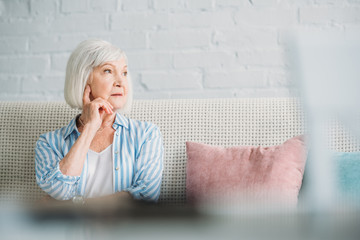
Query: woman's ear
x=89 y=84
x=90 y=94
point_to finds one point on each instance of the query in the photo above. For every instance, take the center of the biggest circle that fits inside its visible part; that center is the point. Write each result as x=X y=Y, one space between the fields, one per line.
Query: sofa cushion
x=347 y=165
x=250 y=172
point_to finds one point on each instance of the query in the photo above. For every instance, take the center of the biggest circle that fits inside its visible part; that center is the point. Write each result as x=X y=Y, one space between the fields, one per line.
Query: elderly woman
x=100 y=152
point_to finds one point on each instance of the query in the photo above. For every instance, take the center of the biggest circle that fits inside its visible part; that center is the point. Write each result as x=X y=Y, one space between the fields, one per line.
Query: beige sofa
x=226 y=122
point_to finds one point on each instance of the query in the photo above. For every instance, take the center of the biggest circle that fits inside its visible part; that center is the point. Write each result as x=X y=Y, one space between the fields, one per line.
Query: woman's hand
x=91 y=118
x=94 y=111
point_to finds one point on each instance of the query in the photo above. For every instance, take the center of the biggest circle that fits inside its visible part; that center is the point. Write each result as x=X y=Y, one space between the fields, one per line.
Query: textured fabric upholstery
x=225 y=122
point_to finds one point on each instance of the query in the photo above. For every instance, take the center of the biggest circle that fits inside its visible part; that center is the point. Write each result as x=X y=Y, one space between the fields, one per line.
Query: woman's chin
x=117 y=101
x=118 y=107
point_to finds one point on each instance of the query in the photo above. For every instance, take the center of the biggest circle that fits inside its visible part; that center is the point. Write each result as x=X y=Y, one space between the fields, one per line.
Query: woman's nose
x=118 y=80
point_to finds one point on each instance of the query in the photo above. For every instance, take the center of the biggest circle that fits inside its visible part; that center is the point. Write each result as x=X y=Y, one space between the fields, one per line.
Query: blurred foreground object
x=326 y=64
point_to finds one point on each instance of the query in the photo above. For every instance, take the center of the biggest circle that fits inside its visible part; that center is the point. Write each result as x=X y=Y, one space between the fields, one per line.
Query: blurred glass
x=326 y=65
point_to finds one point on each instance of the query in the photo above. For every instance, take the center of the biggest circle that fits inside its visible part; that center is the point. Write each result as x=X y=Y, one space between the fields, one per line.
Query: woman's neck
x=108 y=120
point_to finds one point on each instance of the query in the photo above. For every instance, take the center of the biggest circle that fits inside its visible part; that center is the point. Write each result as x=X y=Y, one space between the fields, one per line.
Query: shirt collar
x=120 y=120
x=71 y=127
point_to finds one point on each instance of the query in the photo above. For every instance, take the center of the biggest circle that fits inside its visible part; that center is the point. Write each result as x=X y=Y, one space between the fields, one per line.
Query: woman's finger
x=110 y=111
x=101 y=104
x=105 y=104
x=106 y=108
x=110 y=106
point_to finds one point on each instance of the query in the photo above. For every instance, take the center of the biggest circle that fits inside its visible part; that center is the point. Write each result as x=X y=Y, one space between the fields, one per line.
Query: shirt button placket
x=116 y=151
x=117 y=167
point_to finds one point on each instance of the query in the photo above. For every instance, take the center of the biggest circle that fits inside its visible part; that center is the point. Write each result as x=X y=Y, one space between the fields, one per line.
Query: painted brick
x=268 y=92
x=203 y=59
x=353 y=2
x=172 y=80
x=135 y=5
x=331 y=2
x=221 y=19
x=9 y=84
x=200 y=4
x=24 y=27
x=268 y=58
x=149 y=60
x=280 y=79
x=295 y=3
x=326 y=15
x=285 y=37
x=235 y=79
x=352 y=28
x=202 y=94
x=240 y=42
x=279 y=17
x=33 y=97
x=139 y=21
x=179 y=39
x=169 y=5
x=263 y=3
x=54 y=43
x=54 y=96
x=245 y=38
x=70 y=6
x=152 y=95
x=13 y=45
x=129 y=40
x=100 y=35
x=2 y=9
x=43 y=7
x=43 y=84
x=104 y=5
x=205 y=93
x=15 y=8
x=78 y=23
x=58 y=62
x=231 y=3
x=24 y=64
x=136 y=82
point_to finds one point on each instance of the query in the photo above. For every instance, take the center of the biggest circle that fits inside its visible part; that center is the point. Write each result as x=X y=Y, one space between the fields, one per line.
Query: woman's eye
x=125 y=74
x=107 y=71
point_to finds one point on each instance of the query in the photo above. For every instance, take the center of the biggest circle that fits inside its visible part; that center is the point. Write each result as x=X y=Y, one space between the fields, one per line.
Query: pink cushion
x=253 y=172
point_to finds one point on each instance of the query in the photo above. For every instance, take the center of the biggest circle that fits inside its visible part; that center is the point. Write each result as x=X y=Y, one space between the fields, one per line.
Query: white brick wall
x=176 y=48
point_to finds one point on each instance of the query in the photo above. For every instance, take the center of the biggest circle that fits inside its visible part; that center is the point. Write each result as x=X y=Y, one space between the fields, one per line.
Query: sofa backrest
x=225 y=122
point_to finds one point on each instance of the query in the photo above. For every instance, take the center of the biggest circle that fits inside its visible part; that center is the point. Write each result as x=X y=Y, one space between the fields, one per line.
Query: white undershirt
x=99 y=179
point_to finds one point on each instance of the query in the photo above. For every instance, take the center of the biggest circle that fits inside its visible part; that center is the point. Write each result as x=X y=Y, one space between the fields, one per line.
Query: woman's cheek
x=126 y=87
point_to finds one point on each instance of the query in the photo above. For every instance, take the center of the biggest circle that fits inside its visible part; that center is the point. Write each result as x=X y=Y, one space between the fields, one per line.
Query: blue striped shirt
x=137 y=160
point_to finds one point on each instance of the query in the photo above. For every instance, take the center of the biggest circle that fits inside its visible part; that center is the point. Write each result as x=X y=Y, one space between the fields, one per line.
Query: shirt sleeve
x=48 y=174
x=147 y=179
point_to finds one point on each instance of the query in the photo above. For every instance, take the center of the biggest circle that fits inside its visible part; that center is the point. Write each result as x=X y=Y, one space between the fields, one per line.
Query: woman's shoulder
x=143 y=127
x=144 y=132
x=57 y=132
x=60 y=133
x=53 y=136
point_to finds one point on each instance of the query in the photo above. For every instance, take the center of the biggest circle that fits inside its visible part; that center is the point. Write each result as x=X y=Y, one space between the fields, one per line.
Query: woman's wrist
x=87 y=125
x=90 y=128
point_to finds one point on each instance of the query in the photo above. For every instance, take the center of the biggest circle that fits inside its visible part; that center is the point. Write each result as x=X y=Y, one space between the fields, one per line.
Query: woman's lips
x=116 y=95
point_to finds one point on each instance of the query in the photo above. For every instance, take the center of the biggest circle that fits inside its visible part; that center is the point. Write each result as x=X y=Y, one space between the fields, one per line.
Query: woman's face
x=109 y=81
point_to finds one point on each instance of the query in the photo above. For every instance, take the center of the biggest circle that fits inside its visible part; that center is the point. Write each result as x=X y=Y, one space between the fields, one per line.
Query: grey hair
x=88 y=55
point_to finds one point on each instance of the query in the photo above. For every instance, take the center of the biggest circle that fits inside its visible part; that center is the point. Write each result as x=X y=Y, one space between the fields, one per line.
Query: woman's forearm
x=73 y=162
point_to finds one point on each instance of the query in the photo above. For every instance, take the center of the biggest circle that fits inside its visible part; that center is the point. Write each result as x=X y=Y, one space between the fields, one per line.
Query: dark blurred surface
x=140 y=220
